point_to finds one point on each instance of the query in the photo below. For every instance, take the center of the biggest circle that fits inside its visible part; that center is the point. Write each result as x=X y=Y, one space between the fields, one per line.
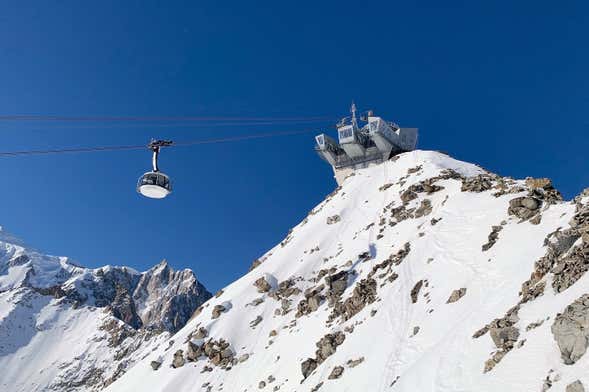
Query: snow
x=441 y=356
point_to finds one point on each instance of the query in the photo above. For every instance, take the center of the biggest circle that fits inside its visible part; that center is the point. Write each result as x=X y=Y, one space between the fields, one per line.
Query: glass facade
x=157 y=179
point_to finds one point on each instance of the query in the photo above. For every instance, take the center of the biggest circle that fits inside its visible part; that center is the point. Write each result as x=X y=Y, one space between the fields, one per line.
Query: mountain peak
x=409 y=270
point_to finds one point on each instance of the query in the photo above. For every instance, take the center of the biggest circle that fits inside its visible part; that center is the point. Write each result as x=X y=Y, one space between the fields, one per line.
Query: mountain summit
x=422 y=273
x=68 y=328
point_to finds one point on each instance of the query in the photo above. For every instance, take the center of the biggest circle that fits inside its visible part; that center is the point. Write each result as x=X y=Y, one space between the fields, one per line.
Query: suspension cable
x=227 y=139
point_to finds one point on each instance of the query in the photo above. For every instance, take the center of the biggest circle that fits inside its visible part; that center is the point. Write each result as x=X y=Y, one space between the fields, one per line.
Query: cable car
x=155 y=184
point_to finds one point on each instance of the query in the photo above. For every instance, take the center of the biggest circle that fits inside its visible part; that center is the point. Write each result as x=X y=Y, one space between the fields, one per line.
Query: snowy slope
x=68 y=328
x=407 y=278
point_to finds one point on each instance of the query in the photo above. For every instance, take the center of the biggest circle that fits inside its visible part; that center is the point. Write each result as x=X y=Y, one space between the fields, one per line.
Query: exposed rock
x=425 y=208
x=503 y=337
x=311 y=302
x=456 y=295
x=336 y=372
x=219 y=352
x=333 y=219
x=201 y=333
x=336 y=284
x=571 y=267
x=408 y=195
x=364 y=293
x=193 y=351
x=256 y=263
x=415 y=169
x=576 y=386
x=534 y=325
x=178 y=359
x=493 y=237
x=155 y=365
x=524 y=207
x=285 y=289
x=327 y=345
x=479 y=183
x=571 y=330
x=123 y=308
x=415 y=291
x=243 y=358
x=262 y=285
x=255 y=322
x=173 y=296
x=494 y=360
x=217 y=310
x=355 y=362
x=385 y=187
x=308 y=366
x=262 y=384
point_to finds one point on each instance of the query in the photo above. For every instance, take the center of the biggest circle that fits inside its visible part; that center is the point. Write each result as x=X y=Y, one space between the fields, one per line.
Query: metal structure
x=375 y=142
x=155 y=184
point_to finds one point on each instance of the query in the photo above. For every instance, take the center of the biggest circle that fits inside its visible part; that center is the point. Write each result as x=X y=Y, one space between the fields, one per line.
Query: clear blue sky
x=502 y=84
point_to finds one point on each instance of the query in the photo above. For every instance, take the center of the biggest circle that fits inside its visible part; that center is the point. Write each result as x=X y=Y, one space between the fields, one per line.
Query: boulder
x=524 y=207
x=217 y=310
x=415 y=291
x=364 y=293
x=504 y=337
x=155 y=365
x=178 y=360
x=193 y=351
x=327 y=345
x=308 y=366
x=425 y=208
x=479 y=183
x=262 y=285
x=336 y=372
x=333 y=219
x=456 y=295
x=576 y=386
x=571 y=330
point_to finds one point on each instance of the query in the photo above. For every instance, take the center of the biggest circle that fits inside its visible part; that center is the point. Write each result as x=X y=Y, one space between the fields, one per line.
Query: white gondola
x=155 y=184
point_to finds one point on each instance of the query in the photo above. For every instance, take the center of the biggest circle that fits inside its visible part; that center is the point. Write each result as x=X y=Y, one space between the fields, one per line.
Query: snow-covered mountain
x=68 y=328
x=423 y=273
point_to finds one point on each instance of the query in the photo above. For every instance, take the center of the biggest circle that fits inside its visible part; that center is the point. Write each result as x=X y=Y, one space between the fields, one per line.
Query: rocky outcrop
x=178 y=360
x=415 y=291
x=217 y=311
x=479 y=183
x=493 y=237
x=456 y=295
x=336 y=284
x=336 y=373
x=166 y=298
x=326 y=347
x=123 y=308
x=364 y=293
x=576 y=386
x=308 y=366
x=571 y=330
x=262 y=285
x=311 y=302
x=333 y=219
x=524 y=207
x=425 y=208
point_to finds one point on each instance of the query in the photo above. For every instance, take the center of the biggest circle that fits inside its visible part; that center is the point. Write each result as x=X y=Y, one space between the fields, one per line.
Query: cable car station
x=360 y=147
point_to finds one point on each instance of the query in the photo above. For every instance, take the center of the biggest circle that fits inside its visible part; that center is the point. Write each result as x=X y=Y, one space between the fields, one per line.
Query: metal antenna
x=353 y=111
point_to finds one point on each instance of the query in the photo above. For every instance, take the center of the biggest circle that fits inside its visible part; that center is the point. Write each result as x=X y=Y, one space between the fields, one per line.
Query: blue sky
x=502 y=84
